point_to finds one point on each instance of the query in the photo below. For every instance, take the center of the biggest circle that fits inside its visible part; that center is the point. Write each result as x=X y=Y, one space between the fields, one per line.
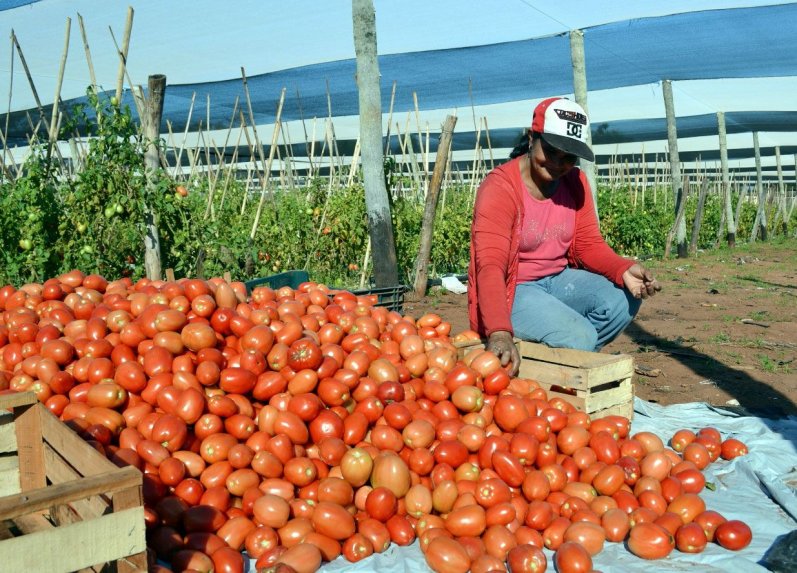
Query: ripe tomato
x=732 y=448
x=690 y=538
x=572 y=557
x=650 y=541
x=304 y=354
x=733 y=535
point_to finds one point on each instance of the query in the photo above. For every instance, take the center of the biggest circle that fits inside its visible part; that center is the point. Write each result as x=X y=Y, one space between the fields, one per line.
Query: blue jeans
x=573 y=309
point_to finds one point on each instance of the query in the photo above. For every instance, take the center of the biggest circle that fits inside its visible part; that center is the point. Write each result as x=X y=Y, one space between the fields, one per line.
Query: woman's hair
x=523 y=145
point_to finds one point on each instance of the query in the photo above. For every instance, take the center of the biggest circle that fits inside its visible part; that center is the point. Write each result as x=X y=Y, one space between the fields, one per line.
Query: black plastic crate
x=391 y=297
x=288 y=278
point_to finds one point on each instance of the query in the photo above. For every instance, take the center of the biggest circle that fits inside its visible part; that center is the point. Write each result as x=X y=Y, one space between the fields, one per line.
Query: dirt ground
x=722 y=331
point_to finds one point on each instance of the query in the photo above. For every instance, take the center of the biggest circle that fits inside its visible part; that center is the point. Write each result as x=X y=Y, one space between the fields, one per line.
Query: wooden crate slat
x=70 y=446
x=30 y=448
x=59 y=471
x=8 y=401
x=600 y=384
x=43 y=498
x=565 y=356
x=589 y=401
x=77 y=546
x=626 y=410
x=553 y=374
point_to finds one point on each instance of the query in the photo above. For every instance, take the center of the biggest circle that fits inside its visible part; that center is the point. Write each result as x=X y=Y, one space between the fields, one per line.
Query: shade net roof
x=728 y=43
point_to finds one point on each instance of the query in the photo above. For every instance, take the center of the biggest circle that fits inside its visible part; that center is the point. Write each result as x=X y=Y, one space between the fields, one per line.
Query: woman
x=539 y=268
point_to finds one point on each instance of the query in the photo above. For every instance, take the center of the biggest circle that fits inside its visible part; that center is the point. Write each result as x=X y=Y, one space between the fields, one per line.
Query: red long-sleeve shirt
x=495 y=244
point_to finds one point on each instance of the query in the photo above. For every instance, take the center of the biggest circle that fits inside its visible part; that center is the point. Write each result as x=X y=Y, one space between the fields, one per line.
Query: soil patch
x=722 y=331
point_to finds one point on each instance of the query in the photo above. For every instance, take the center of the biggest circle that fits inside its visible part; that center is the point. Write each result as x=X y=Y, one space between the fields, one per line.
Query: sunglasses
x=557 y=154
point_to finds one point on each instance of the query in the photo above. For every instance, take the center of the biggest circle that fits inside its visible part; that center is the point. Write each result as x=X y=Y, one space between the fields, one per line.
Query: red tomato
x=572 y=557
x=733 y=535
x=690 y=538
x=304 y=354
x=650 y=541
x=732 y=448
x=445 y=555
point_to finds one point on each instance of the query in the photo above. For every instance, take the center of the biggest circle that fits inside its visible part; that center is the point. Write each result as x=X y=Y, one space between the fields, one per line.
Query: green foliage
x=634 y=231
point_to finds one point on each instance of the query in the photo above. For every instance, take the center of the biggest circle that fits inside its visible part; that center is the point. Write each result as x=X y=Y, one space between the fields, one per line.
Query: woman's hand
x=502 y=344
x=640 y=282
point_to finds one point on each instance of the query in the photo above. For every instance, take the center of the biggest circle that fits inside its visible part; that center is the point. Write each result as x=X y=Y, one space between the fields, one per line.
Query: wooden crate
x=64 y=506
x=599 y=384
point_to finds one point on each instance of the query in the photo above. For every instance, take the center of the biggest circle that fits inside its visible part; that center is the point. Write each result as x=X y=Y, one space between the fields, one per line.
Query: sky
x=198 y=40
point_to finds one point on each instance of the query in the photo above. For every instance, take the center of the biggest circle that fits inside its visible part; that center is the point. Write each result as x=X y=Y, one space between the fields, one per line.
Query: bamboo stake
x=123 y=53
x=331 y=151
x=58 y=83
x=334 y=140
x=252 y=161
x=489 y=144
x=475 y=158
x=288 y=159
x=267 y=173
x=138 y=102
x=179 y=158
x=272 y=151
x=390 y=117
x=304 y=127
x=413 y=164
x=88 y=53
x=4 y=132
x=10 y=176
x=27 y=73
x=171 y=143
x=354 y=159
x=207 y=148
x=424 y=156
x=311 y=156
x=35 y=95
x=234 y=162
x=193 y=154
x=366 y=260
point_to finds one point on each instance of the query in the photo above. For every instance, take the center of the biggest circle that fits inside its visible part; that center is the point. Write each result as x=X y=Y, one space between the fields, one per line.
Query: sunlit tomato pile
x=300 y=425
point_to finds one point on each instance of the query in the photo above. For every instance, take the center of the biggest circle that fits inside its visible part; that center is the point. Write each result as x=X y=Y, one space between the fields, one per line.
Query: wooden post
x=380 y=225
x=701 y=202
x=781 y=193
x=580 y=91
x=679 y=217
x=761 y=213
x=152 y=121
x=726 y=187
x=427 y=226
x=743 y=190
x=675 y=167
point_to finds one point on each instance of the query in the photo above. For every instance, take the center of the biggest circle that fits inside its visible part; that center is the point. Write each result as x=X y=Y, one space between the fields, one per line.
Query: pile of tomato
x=304 y=424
